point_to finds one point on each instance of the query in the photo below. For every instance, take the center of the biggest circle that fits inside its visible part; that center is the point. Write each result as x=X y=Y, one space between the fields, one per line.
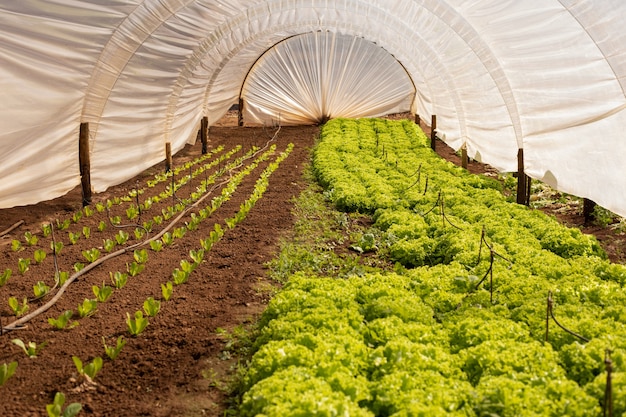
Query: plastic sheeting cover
x=313 y=77
x=548 y=76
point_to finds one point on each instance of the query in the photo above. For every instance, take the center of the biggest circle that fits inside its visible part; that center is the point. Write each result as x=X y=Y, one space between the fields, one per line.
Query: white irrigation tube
x=18 y=324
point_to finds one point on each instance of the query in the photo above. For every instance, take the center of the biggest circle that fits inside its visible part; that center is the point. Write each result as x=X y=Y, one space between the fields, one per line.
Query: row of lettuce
x=460 y=326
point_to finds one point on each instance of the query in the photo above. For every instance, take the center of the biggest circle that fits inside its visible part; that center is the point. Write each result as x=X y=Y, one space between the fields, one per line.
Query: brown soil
x=181 y=364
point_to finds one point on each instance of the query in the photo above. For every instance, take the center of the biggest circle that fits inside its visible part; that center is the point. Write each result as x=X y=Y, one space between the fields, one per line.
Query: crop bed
x=224 y=217
x=491 y=309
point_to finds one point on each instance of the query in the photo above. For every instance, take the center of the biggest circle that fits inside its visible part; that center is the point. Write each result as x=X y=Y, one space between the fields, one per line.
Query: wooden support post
x=588 y=207
x=418 y=121
x=204 y=134
x=433 y=131
x=240 y=112
x=84 y=163
x=523 y=181
x=168 y=156
x=464 y=159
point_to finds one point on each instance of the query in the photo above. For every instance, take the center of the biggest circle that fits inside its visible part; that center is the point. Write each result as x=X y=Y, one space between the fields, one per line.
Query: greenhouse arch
x=548 y=77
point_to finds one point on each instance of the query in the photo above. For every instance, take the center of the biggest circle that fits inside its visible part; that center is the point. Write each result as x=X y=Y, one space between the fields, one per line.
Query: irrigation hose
x=19 y=323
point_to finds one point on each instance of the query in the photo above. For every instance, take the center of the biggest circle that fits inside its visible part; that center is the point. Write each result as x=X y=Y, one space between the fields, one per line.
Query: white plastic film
x=548 y=76
x=317 y=76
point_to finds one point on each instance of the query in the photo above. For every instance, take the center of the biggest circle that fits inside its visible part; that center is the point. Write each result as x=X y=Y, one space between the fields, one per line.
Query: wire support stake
x=550 y=314
x=607 y=408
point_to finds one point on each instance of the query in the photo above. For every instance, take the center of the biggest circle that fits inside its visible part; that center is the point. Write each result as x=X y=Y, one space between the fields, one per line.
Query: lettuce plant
x=134 y=268
x=87 y=307
x=139 y=233
x=140 y=256
x=91 y=255
x=31 y=349
x=56 y=408
x=46 y=229
x=108 y=245
x=63 y=225
x=197 y=255
x=39 y=255
x=113 y=351
x=18 y=310
x=167 y=238
x=137 y=324
x=73 y=237
x=16 y=245
x=6 y=371
x=89 y=370
x=156 y=245
x=86 y=232
x=100 y=207
x=4 y=277
x=166 y=290
x=23 y=265
x=40 y=289
x=78 y=266
x=151 y=306
x=56 y=247
x=121 y=237
x=116 y=220
x=102 y=293
x=63 y=321
x=88 y=211
x=77 y=216
x=119 y=279
x=60 y=277
x=30 y=238
x=179 y=276
x=101 y=226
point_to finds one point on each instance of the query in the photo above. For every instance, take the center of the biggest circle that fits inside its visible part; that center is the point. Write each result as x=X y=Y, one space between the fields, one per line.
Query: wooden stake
x=523 y=181
x=418 y=121
x=588 y=207
x=240 y=112
x=204 y=134
x=168 y=156
x=433 y=131
x=464 y=157
x=84 y=163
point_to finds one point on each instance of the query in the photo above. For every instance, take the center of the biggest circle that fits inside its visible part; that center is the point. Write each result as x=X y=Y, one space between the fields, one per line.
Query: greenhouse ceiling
x=545 y=76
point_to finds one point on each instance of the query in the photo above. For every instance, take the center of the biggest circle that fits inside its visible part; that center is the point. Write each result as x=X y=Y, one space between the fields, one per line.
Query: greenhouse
x=313 y=207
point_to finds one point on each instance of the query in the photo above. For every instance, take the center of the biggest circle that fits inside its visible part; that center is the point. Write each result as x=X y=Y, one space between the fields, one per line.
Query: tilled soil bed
x=179 y=364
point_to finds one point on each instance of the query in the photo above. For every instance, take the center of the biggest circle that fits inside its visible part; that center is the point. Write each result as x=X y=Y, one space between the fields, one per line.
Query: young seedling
x=56 y=247
x=56 y=408
x=91 y=255
x=30 y=238
x=116 y=220
x=136 y=325
x=134 y=268
x=102 y=293
x=73 y=237
x=63 y=225
x=119 y=279
x=39 y=255
x=60 y=277
x=89 y=370
x=46 y=229
x=100 y=207
x=4 y=277
x=23 y=265
x=179 y=277
x=187 y=266
x=140 y=255
x=40 y=289
x=151 y=306
x=63 y=321
x=88 y=211
x=87 y=307
x=147 y=225
x=167 y=238
x=166 y=290
x=16 y=245
x=77 y=216
x=197 y=255
x=86 y=232
x=113 y=351
x=108 y=245
x=6 y=371
x=158 y=220
x=79 y=266
x=179 y=232
x=139 y=233
x=18 y=310
x=121 y=237
x=101 y=226
x=31 y=349
x=156 y=245
x=132 y=212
